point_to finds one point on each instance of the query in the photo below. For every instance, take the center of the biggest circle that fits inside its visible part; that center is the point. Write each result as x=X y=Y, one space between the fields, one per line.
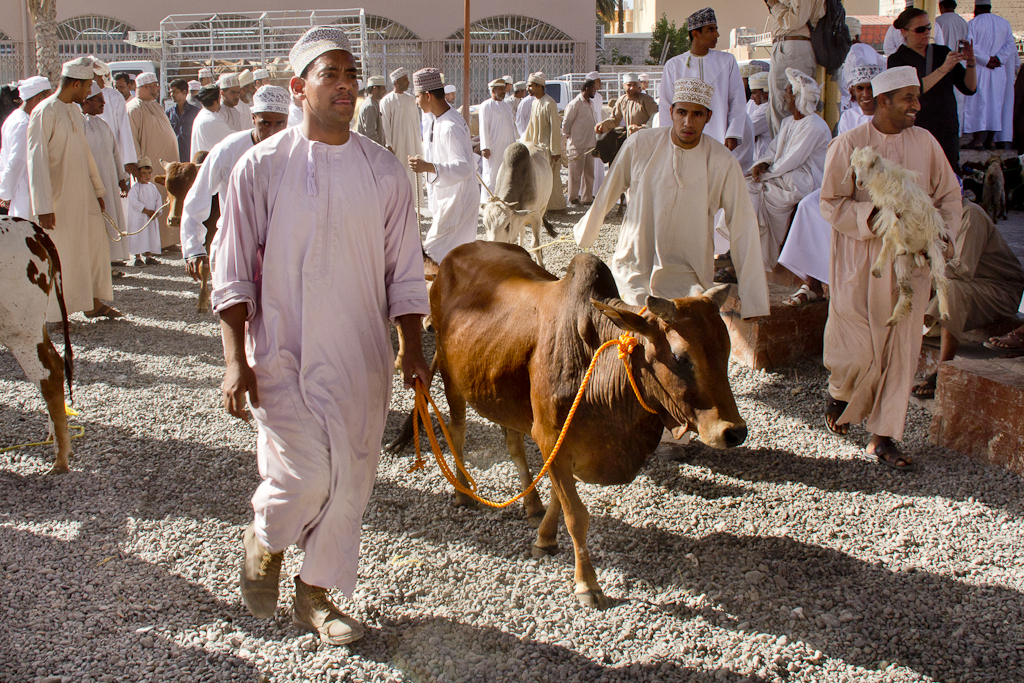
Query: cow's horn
x=166 y=166
x=718 y=294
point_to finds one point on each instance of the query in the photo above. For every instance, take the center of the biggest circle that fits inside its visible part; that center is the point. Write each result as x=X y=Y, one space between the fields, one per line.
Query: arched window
x=97 y=35
x=390 y=45
x=382 y=28
x=511 y=27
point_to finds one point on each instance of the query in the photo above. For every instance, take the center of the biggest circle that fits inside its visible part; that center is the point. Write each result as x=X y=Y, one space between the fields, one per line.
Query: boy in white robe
x=497 y=132
x=805 y=253
x=792 y=168
x=678 y=179
x=871 y=364
x=143 y=203
x=107 y=155
x=14 y=195
x=317 y=252
x=449 y=167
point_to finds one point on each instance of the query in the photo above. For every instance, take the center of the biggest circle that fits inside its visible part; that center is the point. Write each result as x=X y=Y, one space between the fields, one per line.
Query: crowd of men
x=320 y=186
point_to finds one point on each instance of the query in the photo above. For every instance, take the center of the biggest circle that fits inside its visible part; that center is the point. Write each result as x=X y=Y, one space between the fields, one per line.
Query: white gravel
x=792 y=558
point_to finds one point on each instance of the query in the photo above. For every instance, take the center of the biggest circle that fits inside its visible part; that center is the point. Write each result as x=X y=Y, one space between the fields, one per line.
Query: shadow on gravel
x=973 y=480
x=73 y=610
x=428 y=649
x=108 y=371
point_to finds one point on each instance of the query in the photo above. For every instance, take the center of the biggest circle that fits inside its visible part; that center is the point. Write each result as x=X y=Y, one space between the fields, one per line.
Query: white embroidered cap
x=245 y=78
x=79 y=69
x=644 y=77
x=194 y=86
x=449 y=89
x=426 y=80
x=893 y=79
x=260 y=74
x=593 y=76
x=758 y=81
x=506 y=78
x=206 y=72
x=271 y=98
x=315 y=42
x=630 y=78
x=145 y=78
x=398 y=73
x=228 y=81
x=748 y=70
x=497 y=83
x=694 y=91
x=537 y=78
x=520 y=85
x=30 y=87
x=864 y=73
x=374 y=81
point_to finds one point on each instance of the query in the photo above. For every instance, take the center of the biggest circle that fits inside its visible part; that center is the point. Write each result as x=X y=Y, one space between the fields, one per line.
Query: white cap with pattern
x=893 y=79
x=228 y=81
x=315 y=42
x=206 y=72
x=693 y=91
x=537 y=78
x=80 y=69
x=271 y=98
x=260 y=75
x=145 y=78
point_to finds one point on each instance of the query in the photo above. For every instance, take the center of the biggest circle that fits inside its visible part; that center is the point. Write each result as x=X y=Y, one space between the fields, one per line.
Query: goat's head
x=865 y=162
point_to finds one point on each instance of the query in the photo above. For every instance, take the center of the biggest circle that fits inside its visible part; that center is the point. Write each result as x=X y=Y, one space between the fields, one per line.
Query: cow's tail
x=405 y=434
x=550 y=228
x=57 y=284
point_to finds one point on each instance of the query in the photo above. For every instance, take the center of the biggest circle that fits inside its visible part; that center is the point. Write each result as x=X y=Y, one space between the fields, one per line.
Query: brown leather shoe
x=260 y=575
x=314 y=611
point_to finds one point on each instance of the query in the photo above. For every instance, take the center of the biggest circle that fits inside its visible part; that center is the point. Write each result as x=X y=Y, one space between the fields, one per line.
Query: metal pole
x=465 y=67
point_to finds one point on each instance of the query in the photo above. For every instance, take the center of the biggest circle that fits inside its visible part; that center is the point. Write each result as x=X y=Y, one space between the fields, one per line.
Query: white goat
x=909 y=224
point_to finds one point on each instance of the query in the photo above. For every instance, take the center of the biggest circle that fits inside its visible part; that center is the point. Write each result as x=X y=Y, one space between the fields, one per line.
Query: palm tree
x=44 y=14
x=606 y=11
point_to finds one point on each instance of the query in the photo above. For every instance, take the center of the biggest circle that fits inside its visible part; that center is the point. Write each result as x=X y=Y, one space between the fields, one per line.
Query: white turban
x=145 y=78
x=893 y=79
x=245 y=78
x=99 y=67
x=315 y=42
x=30 y=87
x=758 y=81
x=79 y=69
x=805 y=90
x=853 y=24
x=271 y=98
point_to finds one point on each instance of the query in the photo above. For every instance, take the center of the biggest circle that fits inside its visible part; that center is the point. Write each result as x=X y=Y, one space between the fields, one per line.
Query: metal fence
x=611 y=82
x=100 y=36
x=11 y=60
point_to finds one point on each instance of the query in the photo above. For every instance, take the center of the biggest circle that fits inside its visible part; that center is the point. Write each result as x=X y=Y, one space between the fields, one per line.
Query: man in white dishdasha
x=312 y=212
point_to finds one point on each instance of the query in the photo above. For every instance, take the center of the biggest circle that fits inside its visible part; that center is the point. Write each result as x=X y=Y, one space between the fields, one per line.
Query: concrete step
x=785 y=337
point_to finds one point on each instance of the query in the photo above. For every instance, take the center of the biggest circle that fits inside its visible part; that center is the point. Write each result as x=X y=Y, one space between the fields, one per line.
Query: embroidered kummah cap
x=30 y=87
x=893 y=79
x=497 y=83
x=758 y=81
x=853 y=24
x=228 y=81
x=260 y=74
x=630 y=78
x=449 y=89
x=748 y=70
x=593 y=76
x=700 y=19
x=206 y=72
x=864 y=73
x=271 y=98
x=398 y=73
x=426 y=80
x=761 y=65
x=145 y=78
x=245 y=78
x=694 y=91
x=315 y=42
x=520 y=85
x=374 y=81
x=94 y=90
x=537 y=78
x=144 y=162
x=194 y=86
x=79 y=69
x=806 y=91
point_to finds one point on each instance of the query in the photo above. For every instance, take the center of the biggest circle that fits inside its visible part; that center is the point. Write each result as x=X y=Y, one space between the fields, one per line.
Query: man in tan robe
x=634 y=109
x=67 y=194
x=545 y=128
x=872 y=366
x=985 y=284
x=154 y=138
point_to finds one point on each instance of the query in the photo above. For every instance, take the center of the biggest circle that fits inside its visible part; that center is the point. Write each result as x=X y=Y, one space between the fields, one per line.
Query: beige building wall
x=430 y=19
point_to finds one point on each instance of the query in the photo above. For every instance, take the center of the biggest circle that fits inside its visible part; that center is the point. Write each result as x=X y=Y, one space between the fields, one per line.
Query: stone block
x=971 y=344
x=979 y=410
x=786 y=336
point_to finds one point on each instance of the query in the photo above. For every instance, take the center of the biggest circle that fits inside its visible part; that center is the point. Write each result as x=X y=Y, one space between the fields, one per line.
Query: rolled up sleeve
x=236 y=257
x=403 y=253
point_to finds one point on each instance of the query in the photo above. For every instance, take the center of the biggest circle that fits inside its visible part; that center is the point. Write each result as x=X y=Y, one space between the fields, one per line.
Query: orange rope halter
x=626 y=343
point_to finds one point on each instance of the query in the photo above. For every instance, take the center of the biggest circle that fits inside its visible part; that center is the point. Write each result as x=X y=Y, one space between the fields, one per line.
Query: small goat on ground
x=993 y=195
x=909 y=224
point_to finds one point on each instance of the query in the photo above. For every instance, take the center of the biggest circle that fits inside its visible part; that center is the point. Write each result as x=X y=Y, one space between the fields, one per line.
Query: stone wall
x=637 y=46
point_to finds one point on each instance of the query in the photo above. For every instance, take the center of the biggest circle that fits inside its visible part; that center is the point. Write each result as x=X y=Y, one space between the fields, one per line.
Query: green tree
x=606 y=12
x=666 y=33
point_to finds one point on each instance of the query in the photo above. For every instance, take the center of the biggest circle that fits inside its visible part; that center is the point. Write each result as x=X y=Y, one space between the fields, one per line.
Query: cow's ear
x=663 y=308
x=160 y=180
x=718 y=294
x=624 y=319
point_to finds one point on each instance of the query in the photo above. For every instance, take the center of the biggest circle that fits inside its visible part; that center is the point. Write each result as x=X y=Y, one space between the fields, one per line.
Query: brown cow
x=178 y=179
x=514 y=342
x=29 y=275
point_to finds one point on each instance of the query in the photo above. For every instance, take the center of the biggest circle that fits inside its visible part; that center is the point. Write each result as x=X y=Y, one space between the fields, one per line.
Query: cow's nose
x=734 y=436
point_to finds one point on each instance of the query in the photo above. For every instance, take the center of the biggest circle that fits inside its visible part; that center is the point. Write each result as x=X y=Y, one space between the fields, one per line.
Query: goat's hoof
x=543 y=551
x=536 y=518
x=593 y=597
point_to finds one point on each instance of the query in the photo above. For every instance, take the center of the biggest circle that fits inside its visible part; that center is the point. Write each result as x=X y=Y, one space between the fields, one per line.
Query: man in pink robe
x=317 y=251
x=872 y=366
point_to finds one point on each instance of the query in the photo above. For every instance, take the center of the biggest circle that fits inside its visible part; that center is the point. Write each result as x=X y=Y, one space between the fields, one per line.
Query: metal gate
x=102 y=37
x=390 y=45
x=11 y=61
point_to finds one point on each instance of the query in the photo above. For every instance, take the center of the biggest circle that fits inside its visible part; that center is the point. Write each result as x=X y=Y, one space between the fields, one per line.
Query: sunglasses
x=921 y=29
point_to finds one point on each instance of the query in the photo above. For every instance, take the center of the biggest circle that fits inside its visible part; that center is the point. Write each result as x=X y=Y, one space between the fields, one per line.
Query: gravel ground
x=791 y=558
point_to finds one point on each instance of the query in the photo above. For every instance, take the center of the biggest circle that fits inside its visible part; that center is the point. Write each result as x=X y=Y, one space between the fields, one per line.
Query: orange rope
x=626 y=343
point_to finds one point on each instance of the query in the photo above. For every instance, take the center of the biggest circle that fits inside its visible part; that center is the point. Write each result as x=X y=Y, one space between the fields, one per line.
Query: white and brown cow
x=520 y=199
x=29 y=273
